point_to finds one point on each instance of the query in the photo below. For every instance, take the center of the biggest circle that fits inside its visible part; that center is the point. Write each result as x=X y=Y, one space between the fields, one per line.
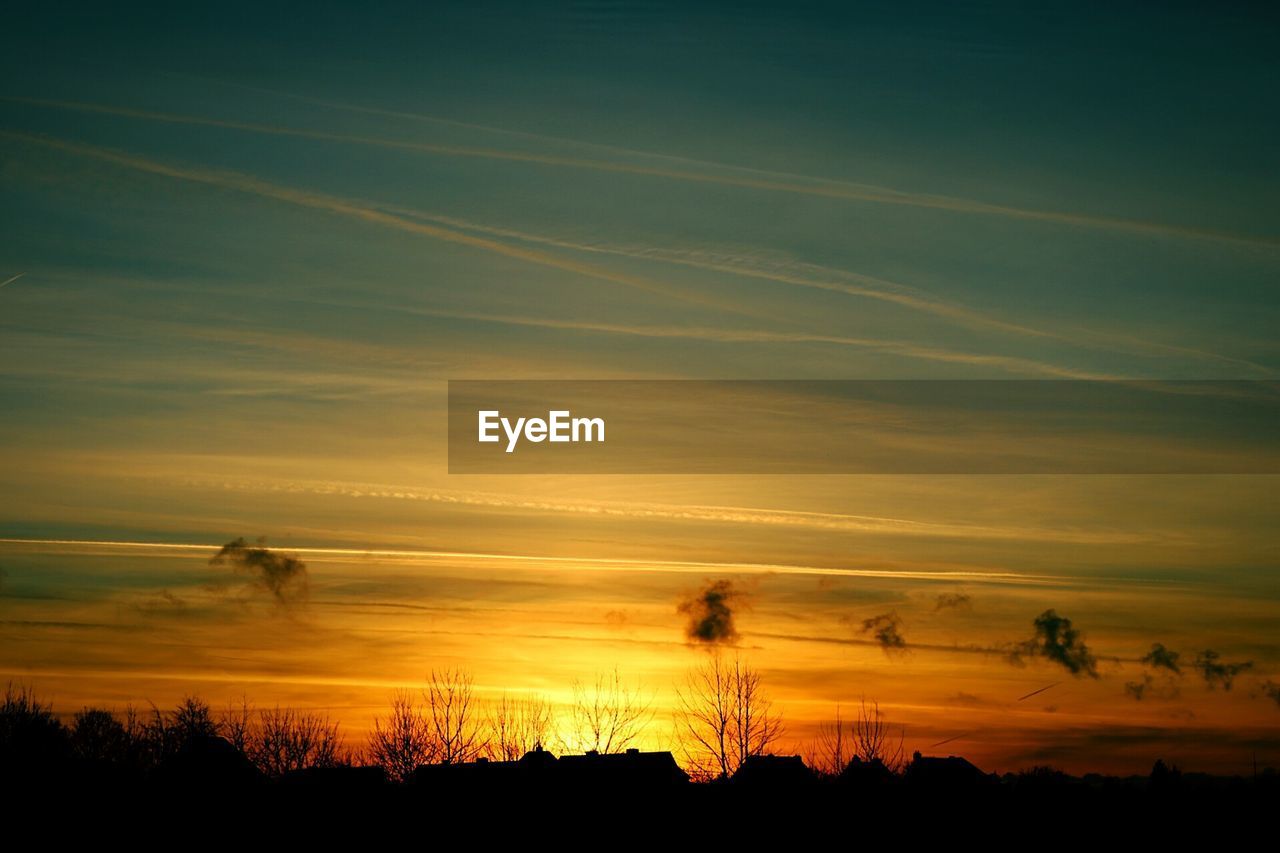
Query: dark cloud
x=710 y=613
x=953 y=601
x=1270 y=690
x=1161 y=658
x=1057 y=641
x=886 y=629
x=1216 y=672
x=1165 y=663
x=615 y=618
x=284 y=577
x=1150 y=688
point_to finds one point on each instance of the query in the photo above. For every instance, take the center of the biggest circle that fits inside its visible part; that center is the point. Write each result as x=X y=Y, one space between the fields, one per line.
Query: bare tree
x=453 y=716
x=283 y=739
x=517 y=726
x=724 y=717
x=165 y=733
x=402 y=740
x=608 y=716
x=873 y=738
x=235 y=723
x=832 y=749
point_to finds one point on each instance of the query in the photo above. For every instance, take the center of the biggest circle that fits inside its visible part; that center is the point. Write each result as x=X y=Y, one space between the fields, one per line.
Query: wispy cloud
x=365 y=213
x=1010 y=364
x=713 y=514
x=953 y=601
x=815 y=187
x=886 y=630
x=817 y=277
x=1217 y=672
x=372 y=215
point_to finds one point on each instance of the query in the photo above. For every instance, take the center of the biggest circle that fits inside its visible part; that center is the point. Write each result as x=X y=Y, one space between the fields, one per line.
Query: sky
x=247 y=245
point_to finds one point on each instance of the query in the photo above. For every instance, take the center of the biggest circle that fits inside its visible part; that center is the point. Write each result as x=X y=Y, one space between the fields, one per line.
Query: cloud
x=284 y=577
x=376 y=216
x=885 y=628
x=1057 y=641
x=357 y=210
x=1270 y=690
x=953 y=601
x=1150 y=688
x=711 y=614
x=1161 y=658
x=1216 y=672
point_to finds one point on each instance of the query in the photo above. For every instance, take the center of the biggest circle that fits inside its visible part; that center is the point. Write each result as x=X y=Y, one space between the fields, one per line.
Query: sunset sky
x=245 y=247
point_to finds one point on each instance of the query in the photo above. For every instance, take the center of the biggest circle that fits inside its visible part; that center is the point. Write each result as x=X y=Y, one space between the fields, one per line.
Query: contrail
x=857 y=284
x=332 y=204
x=680 y=512
x=591 y=564
x=949 y=740
x=1013 y=364
x=1041 y=690
x=10 y=281
x=825 y=189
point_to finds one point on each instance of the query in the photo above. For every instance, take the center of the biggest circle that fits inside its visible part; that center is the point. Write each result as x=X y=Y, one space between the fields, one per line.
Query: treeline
x=723 y=715
x=137 y=742
x=722 y=719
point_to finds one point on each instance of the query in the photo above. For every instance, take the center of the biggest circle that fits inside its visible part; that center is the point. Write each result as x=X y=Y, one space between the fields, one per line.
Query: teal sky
x=245 y=246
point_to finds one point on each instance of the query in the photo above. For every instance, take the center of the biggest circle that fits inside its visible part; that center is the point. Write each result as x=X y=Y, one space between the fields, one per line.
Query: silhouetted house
x=780 y=771
x=631 y=769
x=866 y=774
x=207 y=761
x=539 y=769
x=950 y=772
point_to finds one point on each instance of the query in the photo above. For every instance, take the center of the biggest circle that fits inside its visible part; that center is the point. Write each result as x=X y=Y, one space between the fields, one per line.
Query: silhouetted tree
x=873 y=738
x=167 y=733
x=98 y=737
x=516 y=726
x=454 y=717
x=401 y=740
x=32 y=739
x=1163 y=777
x=832 y=749
x=283 y=739
x=607 y=716
x=235 y=724
x=724 y=716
